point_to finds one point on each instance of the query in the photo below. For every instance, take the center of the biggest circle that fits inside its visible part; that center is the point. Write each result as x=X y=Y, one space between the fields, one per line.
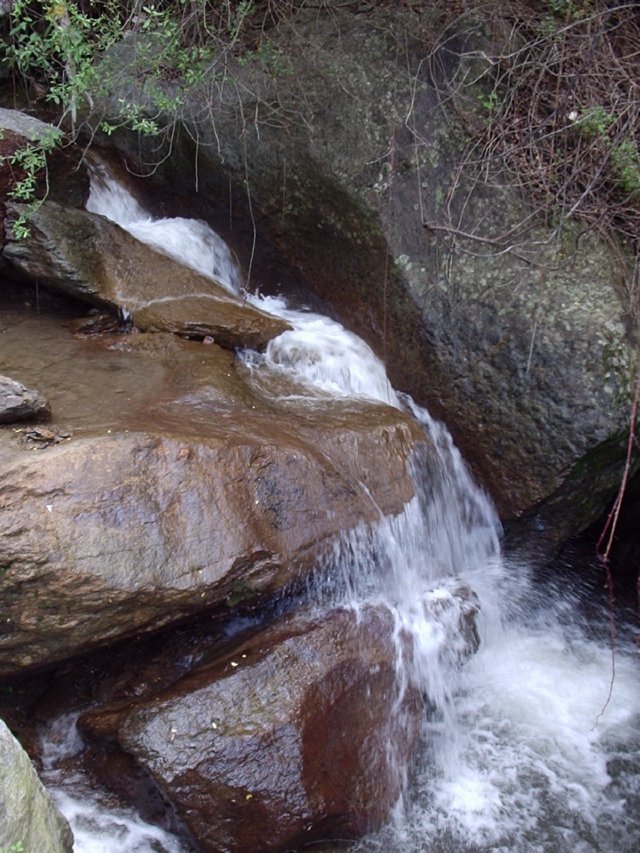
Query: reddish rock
x=112 y=535
x=302 y=733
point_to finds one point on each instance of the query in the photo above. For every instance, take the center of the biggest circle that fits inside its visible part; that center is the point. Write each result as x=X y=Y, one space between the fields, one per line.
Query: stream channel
x=520 y=749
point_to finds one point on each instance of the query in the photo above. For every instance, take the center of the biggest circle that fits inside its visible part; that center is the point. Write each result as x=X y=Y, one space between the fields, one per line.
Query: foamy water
x=530 y=769
x=100 y=824
x=516 y=754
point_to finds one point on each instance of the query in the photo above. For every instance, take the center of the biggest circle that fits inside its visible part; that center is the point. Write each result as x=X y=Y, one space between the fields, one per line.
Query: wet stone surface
x=165 y=485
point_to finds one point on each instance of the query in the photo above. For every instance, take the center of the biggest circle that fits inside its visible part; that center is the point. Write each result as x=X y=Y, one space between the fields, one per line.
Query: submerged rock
x=19 y=403
x=27 y=815
x=90 y=257
x=302 y=733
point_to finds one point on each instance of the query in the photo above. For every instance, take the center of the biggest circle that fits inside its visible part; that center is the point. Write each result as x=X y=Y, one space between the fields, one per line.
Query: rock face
x=65 y=179
x=105 y=536
x=301 y=733
x=87 y=256
x=27 y=815
x=18 y=403
x=525 y=354
x=25 y=126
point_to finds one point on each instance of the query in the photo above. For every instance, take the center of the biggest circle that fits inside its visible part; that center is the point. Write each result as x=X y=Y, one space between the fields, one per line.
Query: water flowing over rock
x=301 y=733
x=87 y=256
x=18 y=403
x=110 y=535
x=524 y=353
x=27 y=815
x=187 y=481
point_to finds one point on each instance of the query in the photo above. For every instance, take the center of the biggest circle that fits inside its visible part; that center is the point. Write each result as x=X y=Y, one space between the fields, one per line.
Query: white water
x=512 y=758
x=100 y=823
x=190 y=241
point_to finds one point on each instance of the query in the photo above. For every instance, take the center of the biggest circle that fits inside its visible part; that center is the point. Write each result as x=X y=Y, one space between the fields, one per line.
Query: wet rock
x=106 y=536
x=168 y=486
x=27 y=815
x=302 y=733
x=525 y=354
x=90 y=257
x=18 y=403
x=453 y=608
x=229 y=323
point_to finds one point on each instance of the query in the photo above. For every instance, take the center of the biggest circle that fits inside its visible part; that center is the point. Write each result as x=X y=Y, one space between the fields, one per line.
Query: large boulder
x=90 y=257
x=112 y=535
x=301 y=733
x=524 y=351
x=116 y=534
x=178 y=490
x=27 y=815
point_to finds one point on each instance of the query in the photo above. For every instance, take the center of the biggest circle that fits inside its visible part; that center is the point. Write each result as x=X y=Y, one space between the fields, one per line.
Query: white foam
x=322 y=356
x=98 y=823
x=99 y=828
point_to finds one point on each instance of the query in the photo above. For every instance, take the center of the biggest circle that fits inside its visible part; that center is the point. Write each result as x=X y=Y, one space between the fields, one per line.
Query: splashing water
x=511 y=758
x=322 y=356
x=100 y=824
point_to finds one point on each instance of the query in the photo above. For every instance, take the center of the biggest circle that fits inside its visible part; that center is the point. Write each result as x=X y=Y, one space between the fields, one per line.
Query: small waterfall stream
x=512 y=758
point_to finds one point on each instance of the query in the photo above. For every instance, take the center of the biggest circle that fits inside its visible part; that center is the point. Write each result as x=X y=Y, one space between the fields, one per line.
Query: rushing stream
x=518 y=753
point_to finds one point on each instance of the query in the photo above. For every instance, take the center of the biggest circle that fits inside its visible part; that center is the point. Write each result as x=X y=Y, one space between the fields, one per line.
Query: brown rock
x=300 y=734
x=212 y=318
x=113 y=535
x=167 y=486
x=92 y=258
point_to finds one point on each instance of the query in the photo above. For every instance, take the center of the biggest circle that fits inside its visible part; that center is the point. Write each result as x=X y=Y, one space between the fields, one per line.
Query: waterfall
x=512 y=758
x=189 y=241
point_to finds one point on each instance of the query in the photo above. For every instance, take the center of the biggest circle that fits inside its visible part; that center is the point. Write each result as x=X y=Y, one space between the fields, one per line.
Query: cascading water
x=515 y=755
x=100 y=824
x=190 y=241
